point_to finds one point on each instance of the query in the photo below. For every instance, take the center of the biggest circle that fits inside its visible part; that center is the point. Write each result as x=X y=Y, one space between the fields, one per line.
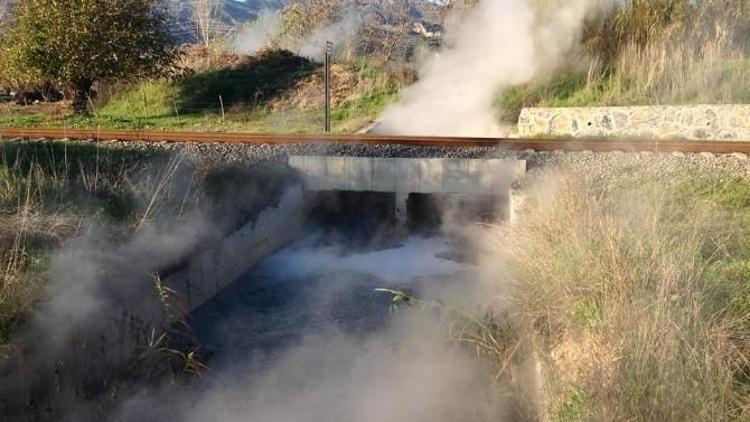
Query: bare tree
x=206 y=16
x=385 y=34
x=398 y=12
x=449 y=7
x=300 y=17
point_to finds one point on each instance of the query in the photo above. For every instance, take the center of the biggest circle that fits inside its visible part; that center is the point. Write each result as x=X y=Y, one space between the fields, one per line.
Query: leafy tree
x=74 y=43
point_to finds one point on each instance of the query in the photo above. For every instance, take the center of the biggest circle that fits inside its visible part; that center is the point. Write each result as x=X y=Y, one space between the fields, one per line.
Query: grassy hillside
x=651 y=52
x=724 y=82
x=274 y=91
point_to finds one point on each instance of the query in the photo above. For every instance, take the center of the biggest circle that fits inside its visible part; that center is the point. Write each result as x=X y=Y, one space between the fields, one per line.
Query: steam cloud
x=266 y=31
x=100 y=292
x=406 y=371
x=498 y=44
x=260 y=34
x=313 y=45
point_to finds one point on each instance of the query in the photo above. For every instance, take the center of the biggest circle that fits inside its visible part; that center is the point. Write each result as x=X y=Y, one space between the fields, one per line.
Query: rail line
x=587 y=144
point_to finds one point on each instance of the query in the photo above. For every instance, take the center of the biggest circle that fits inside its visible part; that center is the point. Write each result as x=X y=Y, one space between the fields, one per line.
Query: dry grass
x=47 y=190
x=645 y=52
x=628 y=297
x=678 y=70
x=675 y=51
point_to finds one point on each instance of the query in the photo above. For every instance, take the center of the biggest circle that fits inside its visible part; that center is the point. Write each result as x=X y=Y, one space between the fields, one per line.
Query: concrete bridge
x=404 y=176
x=211 y=271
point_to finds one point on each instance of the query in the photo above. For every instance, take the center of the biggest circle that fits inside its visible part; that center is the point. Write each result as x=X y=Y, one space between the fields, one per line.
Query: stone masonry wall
x=717 y=122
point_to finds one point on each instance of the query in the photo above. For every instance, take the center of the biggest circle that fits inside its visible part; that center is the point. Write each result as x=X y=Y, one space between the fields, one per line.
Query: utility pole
x=329 y=58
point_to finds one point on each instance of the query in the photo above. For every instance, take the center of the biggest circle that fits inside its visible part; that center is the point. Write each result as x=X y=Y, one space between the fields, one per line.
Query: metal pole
x=329 y=58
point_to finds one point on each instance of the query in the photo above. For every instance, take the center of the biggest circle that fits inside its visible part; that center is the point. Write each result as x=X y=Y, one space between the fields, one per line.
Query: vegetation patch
x=46 y=191
x=51 y=191
x=272 y=92
x=651 y=284
x=650 y=52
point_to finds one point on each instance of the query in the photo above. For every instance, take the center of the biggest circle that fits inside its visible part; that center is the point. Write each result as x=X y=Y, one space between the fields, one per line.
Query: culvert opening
x=364 y=213
x=428 y=212
x=354 y=217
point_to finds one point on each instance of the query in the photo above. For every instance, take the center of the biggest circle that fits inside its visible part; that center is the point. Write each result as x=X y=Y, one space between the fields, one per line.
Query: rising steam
x=259 y=34
x=266 y=32
x=498 y=44
x=406 y=371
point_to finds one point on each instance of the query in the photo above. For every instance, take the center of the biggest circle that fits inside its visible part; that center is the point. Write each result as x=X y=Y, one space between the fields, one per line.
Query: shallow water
x=304 y=337
x=309 y=288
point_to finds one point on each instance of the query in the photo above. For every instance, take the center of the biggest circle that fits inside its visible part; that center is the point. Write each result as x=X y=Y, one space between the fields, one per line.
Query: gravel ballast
x=595 y=164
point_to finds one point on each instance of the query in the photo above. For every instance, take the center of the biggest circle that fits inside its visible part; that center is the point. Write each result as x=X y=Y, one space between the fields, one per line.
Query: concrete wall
x=728 y=122
x=222 y=264
x=409 y=175
x=403 y=176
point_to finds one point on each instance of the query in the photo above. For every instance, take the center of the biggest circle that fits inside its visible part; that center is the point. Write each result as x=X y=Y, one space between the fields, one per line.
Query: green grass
x=349 y=116
x=729 y=192
x=145 y=101
x=722 y=82
x=574 y=408
x=565 y=89
x=644 y=287
x=248 y=92
x=46 y=190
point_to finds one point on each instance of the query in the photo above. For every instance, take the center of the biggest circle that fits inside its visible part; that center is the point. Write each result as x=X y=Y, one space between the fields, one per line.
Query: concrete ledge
x=409 y=175
x=727 y=122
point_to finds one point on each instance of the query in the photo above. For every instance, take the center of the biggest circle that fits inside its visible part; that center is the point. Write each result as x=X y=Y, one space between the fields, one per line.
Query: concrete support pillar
x=515 y=202
x=401 y=208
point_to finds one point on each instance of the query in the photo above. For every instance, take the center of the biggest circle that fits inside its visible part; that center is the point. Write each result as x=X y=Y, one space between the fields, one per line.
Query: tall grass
x=676 y=73
x=47 y=191
x=638 y=301
x=679 y=51
x=644 y=52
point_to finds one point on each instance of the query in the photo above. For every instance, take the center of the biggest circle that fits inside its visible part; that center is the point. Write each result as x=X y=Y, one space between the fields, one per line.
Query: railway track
x=596 y=145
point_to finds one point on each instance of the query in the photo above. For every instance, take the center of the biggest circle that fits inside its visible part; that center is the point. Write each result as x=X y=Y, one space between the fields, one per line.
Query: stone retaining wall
x=728 y=122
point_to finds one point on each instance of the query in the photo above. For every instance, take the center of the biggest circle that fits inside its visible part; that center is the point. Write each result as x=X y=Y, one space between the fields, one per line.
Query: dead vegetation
x=349 y=84
x=636 y=300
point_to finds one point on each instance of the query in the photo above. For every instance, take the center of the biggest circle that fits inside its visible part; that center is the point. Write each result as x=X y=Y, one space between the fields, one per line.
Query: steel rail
x=579 y=144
